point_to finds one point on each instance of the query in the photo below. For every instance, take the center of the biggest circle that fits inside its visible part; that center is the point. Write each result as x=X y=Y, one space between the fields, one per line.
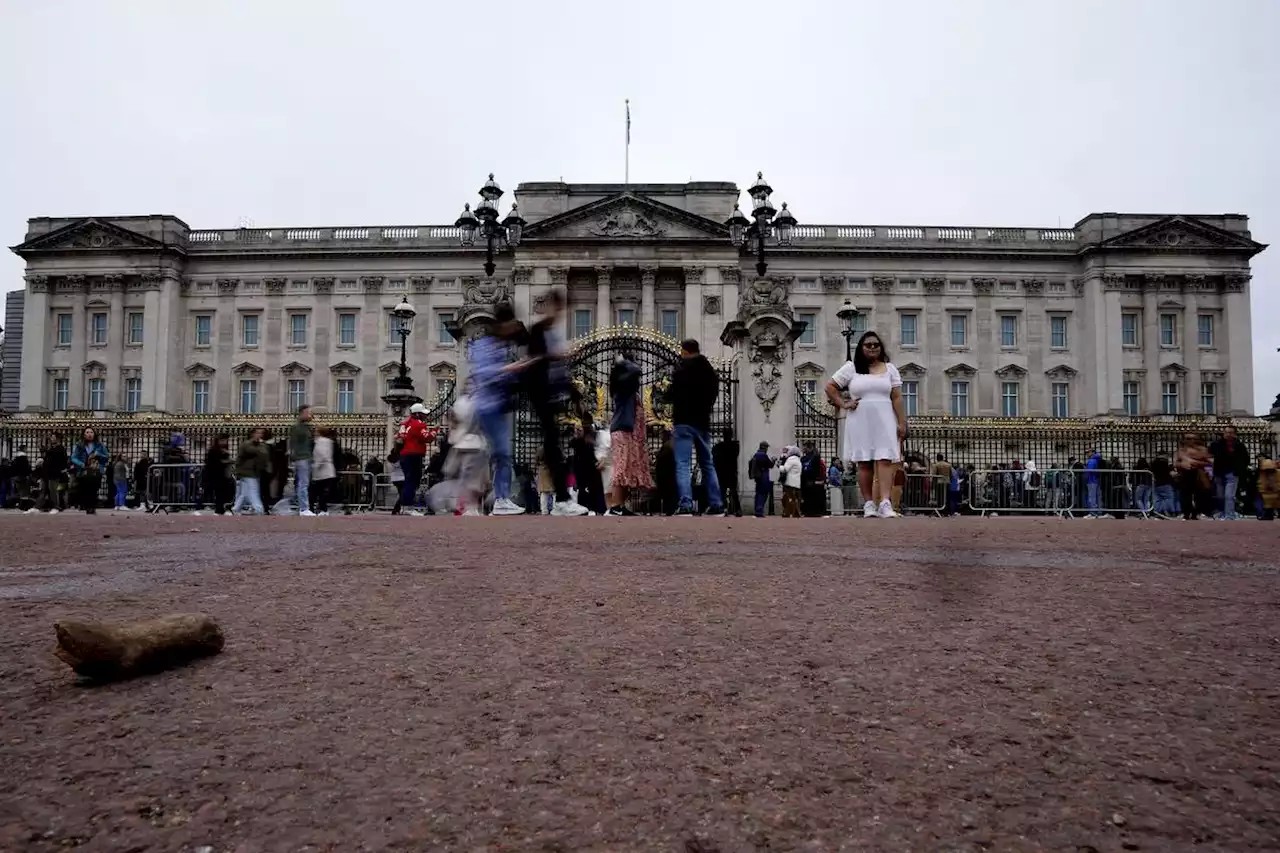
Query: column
x=522 y=279
x=560 y=281
x=271 y=351
x=708 y=326
x=937 y=340
x=1111 y=390
x=1190 y=346
x=323 y=339
x=985 y=343
x=693 y=276
x=648 y=275
x=730 y=280
x=604 y=281
x=1038 y=392
x=34 y=387
x=79 y=342
x=116 y=336
x=1152 y=400
x=1238 y=337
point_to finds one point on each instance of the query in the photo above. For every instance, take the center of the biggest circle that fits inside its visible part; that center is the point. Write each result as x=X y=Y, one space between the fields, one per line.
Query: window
x=907 y=329
x=1060 y=401
x=809 y=387
x=581 y=322
x=298 y=330
x=1169 y=399
x=297 y=394
x=1168 y=330
x=61 y=394
x=670 y=322
x=626 y=316
x=1008 y=331
x=1129 y=330
x=132 y=394
x=810 y=334
x=859 y=325
x=1209 y=398
x=386 y=386
x=97 y=394
x=65 y=325
x=1057 y=332
x=960 y=399
x=910 y=397
x=959 y=330
x=393 y=330
x=204 y=330
x=135 y=327
x=1132 y=400
x=98 y=329
x=346 y=396
x=1204 y=330
x=200 y=397
x=249 y=330
x=346 y=330
x=443 y=335
x=248 y=396
x=1009 y=394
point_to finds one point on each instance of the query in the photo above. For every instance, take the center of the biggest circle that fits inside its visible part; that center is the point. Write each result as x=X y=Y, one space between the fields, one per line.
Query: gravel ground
x=535 y=684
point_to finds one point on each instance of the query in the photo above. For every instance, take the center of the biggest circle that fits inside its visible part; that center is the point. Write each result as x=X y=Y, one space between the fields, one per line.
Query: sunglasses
x=870 y=344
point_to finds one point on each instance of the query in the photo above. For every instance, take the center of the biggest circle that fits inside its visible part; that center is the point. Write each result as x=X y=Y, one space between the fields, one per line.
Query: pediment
x=1011 y=371
x=912 y=369
x=199 y=370
x=89 y=235
x=809 y=370
x=1061 y=371
x=94 y=368
x=1174 y=368
x=626 y=216
x=960 y=369
x=390 y=367
x=295 y=368
x=1180 y=234
x=343 y=368
x=442 y=369
x=246 y=368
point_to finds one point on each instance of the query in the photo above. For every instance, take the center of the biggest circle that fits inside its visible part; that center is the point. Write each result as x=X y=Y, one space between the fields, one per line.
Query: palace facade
x=1122 y=314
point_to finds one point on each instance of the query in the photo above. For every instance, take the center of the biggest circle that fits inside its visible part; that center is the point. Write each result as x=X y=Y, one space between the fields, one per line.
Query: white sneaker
x=197 y=513
x=506 y=506
x=54 y=511
x=569 y=507
x=324 y=514
x=869 y=509
x=31 y=511
x=306 y=513
x=886 y=510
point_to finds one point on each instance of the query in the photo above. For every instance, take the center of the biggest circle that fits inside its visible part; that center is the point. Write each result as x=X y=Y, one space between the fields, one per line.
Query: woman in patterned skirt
x=627 y=434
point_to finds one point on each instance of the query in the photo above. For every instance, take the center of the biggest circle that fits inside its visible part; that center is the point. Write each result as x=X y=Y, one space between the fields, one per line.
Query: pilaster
x=1189 y=339
x=1239 y=343
x=693 y=277
x=1152 y=399
x=34 y=388
x=604 y=280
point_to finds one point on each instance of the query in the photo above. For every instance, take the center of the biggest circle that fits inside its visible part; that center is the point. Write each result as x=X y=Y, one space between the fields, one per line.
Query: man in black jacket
x=1230 y=463
x=694 y=387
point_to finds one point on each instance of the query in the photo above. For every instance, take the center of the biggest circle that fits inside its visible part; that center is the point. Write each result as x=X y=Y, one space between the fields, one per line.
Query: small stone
x=1118 y=819
x=204 y=849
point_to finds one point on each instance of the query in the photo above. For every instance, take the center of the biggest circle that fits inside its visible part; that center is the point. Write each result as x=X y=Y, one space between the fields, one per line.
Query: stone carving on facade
x=765 y=357
x=911 y=370
x=275 y=286
x=227 y=285
x=200 y=370
x=710 y=304
x=71 y=284
x=625 y=222
x=522 y=275
x=109 y=283
x=371 y=283
x=1173 y=371
x=764 y=296
x=38 y=283
x=184 y=286
x=730 y=275
x=832 y=283
x=1034 y=286
x=94 y=370
x=443 y=370
x=648 y=275
x=1077 y=284
x=933 y=285
x=559 y=276
x=1193 y=281
x=247 y=368
x=420 y=284
x=322 y=286
x=960 y=369
x=1113 y=281
x=1011 y=371
x=295 y=368
x=1153 y=281
x=1235 y=283
x=984 y=286
x=344 y=370
x=483 y=296
x=540 y=303
x=694 y=275
x=882 y=283
x=1061 y=372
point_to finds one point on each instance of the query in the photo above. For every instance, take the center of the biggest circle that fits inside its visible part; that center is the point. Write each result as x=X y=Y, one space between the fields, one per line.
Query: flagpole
x=626 y=174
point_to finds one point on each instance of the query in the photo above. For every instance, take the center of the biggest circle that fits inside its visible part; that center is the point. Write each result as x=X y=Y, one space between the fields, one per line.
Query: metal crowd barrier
x=1114 y=492
x=172 y=487
x=1022 y=492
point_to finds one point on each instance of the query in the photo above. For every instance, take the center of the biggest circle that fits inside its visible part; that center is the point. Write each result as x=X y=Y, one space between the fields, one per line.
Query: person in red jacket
x=414 y=439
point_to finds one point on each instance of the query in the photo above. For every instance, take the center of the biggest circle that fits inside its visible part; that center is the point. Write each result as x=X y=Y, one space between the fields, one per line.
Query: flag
x=628 y=121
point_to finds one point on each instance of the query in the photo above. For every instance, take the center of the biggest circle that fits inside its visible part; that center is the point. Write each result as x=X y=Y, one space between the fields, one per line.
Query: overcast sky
x=320 y=112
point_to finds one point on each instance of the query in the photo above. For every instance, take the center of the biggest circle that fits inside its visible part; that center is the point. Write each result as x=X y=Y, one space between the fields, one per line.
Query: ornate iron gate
x=590 y=361
x=816 y=421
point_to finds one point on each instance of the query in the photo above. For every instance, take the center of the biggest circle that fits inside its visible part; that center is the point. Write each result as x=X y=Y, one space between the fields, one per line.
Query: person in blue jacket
x=1093 y=485
x=760 y=469
x=88 y=461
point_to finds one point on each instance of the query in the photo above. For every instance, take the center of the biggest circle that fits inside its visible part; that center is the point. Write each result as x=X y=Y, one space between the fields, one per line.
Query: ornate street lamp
x=763 y=223
x=847 y=314
x=400 y=395
x=485 y=221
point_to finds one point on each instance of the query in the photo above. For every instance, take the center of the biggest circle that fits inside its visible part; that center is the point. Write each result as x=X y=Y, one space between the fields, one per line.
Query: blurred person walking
x=88 y=461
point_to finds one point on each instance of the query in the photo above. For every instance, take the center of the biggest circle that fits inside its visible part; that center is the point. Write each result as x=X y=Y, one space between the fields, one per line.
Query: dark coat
x=694 y=388
x=624 y=389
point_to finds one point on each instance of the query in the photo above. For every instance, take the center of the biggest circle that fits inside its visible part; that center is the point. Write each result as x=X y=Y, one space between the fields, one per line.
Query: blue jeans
x=1226 y=488
x=122 y=489
x=689 y=440
x=1165 y=502
x=1093 y=498
x=248 y=492
x=302 y=484
x=763 y=489
x=1142 y=497
x=412 y=468
x=496 y=427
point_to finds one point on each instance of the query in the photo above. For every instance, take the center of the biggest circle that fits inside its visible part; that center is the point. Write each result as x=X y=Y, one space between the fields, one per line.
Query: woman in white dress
x=876 y=422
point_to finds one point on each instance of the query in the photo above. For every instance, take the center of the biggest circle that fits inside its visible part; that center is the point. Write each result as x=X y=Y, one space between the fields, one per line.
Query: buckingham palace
x=1119 y=316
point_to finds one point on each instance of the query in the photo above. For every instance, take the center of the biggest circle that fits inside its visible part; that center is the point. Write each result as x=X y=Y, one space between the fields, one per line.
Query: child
x=468 y=459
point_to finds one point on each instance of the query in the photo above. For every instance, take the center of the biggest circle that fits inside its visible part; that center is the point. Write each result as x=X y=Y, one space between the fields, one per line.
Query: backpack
x=1035 y=480
x=396 y=446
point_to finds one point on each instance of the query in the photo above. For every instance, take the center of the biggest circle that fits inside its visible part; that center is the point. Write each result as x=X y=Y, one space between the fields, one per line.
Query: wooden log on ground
x=112 y=652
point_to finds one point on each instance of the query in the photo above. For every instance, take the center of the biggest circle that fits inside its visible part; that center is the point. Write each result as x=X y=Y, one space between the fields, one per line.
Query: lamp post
x=400 y=395
x=485 y=220
x=847 y=314
x=765 y=222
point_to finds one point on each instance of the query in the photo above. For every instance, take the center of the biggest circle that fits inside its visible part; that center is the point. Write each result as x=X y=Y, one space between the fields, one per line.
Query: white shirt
x=791 y=472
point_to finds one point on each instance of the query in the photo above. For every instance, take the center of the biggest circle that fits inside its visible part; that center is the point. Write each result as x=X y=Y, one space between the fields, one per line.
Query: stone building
x=1122 y=314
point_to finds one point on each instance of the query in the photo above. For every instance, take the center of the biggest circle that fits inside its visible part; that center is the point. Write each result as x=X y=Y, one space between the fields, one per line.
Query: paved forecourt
x=649 y=684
